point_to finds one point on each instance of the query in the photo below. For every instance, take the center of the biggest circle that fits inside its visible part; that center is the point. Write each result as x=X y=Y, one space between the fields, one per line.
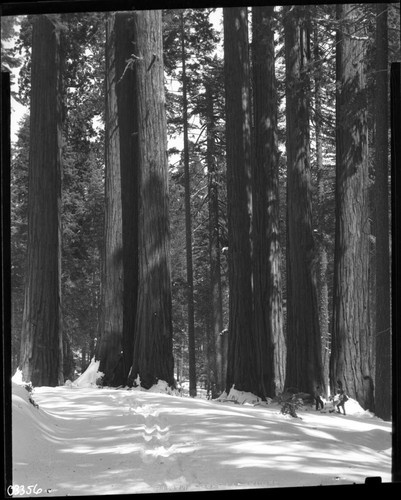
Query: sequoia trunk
x=153 y=353
x=304 y=362
x=41 y=359
x=350 y=360
x=265 y=218
x=120 y=285
x=242 y=350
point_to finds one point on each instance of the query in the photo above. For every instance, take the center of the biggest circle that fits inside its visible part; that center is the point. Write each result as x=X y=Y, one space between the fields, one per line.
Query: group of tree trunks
x=135 y=342
x=137 y=336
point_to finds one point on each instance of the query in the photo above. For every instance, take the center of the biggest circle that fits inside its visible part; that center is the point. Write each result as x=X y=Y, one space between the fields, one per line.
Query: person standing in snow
x=318 y=399
x=342 y=397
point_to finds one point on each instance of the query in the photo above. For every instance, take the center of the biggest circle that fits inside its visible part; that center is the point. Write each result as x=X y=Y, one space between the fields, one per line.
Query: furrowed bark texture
x=304 y=364
x=265 y=218
x=241 y=362
x=120 y=286
x=351 y=350
x=110 y=344
x=41 y=358
x=153 y=358
x=383 y=315
x=129 y=167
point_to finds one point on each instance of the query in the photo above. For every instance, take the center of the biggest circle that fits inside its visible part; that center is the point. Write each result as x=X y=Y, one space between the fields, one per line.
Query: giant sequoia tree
x=351 y=350
x=304 y=365
x=115 y=348
x=41 y=358
x=153 y=353
x=241 y=365
x=383 y=336
x=266 y=256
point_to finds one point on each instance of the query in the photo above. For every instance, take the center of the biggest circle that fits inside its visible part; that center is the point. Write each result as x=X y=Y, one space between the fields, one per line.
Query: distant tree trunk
x=350 y=349
x=188 y=225
x=216 y=298
x=68 y=359
x=323 y=289
x=241 y=360
x=304 y=357
x=383 y=315
x=153 y=350
x=268 y=313
x=41 y=359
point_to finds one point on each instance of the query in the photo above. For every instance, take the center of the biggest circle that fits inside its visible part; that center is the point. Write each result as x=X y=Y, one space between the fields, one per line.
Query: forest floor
x=85 y=440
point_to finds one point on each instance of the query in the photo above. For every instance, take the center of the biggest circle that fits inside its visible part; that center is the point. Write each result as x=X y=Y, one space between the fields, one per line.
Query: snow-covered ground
x=86 y=440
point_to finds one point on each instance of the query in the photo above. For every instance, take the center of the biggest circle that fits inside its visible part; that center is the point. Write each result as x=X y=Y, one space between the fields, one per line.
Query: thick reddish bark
x=153 y=355
x=242 y=349
x=41 y=359
x=351 y=344
x=120 y=280
x=304 y=363
x=265 y=217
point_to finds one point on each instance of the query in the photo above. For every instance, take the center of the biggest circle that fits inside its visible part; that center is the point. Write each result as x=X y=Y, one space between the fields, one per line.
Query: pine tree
x=188 y=222
x=19 y=224
x=216 y=299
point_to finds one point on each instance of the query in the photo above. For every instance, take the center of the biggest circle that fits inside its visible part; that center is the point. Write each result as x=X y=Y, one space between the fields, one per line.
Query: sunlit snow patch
x=17 y=378
x=162 y=387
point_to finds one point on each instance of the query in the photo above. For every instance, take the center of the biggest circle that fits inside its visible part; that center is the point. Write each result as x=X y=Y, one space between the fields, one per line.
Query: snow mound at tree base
x=90 y=378
x=239 y=397
x=352 y=407
x=162 y=387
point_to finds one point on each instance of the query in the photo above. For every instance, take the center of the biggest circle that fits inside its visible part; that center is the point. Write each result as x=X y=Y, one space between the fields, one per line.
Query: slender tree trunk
x=216 y=298
x=383 y=333
x=265 y=223
x=323 y=289
x=241 y=360
x=350 y=349
x=41 y=359
x=304 y=361
x=188 y=224
x=153 y=350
